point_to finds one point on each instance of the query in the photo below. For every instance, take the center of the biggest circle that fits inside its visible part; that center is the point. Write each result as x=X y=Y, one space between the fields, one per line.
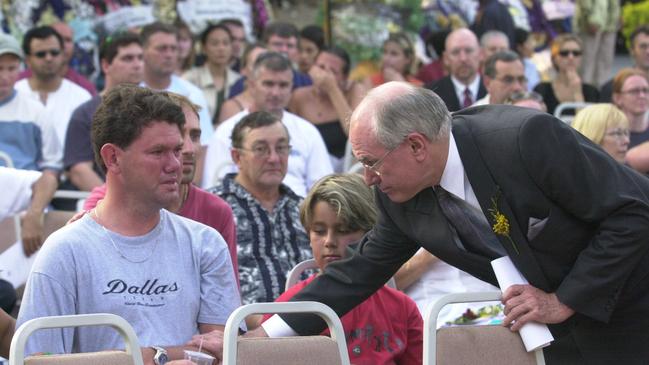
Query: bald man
x=463 y=86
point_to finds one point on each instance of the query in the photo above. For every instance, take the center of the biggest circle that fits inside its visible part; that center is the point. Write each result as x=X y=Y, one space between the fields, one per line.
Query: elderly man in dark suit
x=463 y=86
x=577 y=221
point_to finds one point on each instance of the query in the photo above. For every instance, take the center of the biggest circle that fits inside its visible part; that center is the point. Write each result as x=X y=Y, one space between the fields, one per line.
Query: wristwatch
x=160 y=357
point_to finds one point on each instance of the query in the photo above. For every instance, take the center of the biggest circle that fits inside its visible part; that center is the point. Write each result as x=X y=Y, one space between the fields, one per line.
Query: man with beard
x=43 y=48
x=463 y=86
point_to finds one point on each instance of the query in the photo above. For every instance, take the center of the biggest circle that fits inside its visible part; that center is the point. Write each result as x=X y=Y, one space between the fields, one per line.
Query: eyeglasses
x=263 y=151
x=566 y=52
x=636 y=92
x=377 y=164
x=510 y=80
x=618 y=133
x=51 y=52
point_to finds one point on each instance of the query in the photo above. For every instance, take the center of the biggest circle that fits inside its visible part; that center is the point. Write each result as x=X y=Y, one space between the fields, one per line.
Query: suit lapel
x=482 y=90
x=489 y=196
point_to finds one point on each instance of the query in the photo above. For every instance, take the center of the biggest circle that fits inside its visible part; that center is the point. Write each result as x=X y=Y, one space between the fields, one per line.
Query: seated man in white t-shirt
x=270 y=86
x=168 y=276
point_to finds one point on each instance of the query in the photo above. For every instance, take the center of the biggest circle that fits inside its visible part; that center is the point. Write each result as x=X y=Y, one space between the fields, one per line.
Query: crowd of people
x=214 y=165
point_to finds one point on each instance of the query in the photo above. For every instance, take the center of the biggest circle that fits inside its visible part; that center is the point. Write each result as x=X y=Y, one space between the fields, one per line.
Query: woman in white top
x=215 y=77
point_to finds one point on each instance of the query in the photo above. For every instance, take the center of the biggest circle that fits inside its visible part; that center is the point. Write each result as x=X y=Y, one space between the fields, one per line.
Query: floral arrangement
x=361 y=27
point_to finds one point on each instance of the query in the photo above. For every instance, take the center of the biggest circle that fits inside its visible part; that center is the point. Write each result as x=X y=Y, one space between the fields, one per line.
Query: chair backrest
x=295 y=274
x=484 y=345
x=312 y=350
x=4 y=157
x=79 y=196
x=560 y=110
x=132 y=356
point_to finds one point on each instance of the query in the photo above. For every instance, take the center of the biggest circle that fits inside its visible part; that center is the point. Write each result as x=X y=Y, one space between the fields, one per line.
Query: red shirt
x=385 y=329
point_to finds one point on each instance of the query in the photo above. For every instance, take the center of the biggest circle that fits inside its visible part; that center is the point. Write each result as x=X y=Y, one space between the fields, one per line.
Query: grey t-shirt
x=186 y=278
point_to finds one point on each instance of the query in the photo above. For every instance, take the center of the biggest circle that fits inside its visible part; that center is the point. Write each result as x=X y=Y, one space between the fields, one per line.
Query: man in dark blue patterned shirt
x=270 y=237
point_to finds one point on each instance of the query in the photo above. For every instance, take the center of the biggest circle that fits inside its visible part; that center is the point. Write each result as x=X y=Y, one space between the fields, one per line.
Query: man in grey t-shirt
x=169 y=277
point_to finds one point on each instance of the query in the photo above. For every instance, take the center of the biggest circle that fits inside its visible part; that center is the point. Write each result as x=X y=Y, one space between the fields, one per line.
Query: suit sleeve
x=588 y=184
x=347 y=283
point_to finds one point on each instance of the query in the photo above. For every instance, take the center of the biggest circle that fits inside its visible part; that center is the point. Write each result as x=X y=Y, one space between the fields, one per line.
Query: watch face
x=162 y=359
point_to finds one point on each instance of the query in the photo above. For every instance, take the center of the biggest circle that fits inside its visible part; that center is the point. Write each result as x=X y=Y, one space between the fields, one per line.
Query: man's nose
x=173 y=162
x=370 y=177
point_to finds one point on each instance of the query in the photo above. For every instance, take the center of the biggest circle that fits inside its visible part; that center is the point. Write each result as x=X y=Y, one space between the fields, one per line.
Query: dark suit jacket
x=592 y=250
x=446 y=90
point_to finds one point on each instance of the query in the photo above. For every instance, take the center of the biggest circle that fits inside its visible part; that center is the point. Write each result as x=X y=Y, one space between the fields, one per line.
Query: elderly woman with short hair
x=607 y=126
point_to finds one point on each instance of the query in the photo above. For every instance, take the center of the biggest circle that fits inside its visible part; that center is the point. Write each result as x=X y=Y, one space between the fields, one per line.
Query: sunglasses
x=43 y=54
x=574 y=52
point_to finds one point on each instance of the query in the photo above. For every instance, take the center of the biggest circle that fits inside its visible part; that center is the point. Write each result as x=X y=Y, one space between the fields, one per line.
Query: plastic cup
x=199 y=358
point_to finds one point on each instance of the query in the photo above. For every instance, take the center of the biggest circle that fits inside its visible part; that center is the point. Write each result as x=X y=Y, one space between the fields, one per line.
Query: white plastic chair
x=563 y=107
x=132 y=354
x=311 y=350
x=468 y=345
x=6 y=159
x=80 y=196
x=293 y=276
x=8 y=162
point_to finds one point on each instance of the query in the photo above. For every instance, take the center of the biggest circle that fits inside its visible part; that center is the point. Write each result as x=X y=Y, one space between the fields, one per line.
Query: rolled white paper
x=534 y=335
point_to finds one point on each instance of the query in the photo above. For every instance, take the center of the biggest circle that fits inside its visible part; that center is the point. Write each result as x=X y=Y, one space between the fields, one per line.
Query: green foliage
x=634 y=15
x=361 y=26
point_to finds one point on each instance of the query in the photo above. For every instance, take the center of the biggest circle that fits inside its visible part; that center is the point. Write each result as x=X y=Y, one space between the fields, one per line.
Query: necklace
x=96 y=210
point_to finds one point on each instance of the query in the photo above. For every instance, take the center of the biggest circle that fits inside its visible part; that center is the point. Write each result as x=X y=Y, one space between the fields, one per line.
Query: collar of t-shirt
x=474 y=86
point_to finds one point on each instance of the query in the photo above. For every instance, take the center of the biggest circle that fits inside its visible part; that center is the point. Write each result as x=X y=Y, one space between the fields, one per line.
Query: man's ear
x=616 y=99
x=417 y=145
x=236 y=155
x=486 y=80
x=110 y=154
x=104 y=66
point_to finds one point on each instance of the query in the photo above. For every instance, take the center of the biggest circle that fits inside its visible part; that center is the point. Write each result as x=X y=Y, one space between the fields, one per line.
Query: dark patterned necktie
x=468 y=100
x=470 y=225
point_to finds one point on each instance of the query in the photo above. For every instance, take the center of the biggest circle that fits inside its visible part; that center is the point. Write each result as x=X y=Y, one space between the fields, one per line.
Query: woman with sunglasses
x=397 y=61
x=567 y=86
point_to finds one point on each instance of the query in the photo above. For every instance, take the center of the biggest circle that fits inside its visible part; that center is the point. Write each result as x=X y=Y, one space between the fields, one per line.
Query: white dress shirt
x=474 y=87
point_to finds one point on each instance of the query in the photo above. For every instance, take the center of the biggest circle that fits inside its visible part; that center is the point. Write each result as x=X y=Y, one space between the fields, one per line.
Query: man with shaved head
x=577 y=222
x=463 y=86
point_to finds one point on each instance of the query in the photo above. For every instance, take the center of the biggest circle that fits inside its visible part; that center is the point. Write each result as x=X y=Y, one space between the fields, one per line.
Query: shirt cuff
x=276 y=327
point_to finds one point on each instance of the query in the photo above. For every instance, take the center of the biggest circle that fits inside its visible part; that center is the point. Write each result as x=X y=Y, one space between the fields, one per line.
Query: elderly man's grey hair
x=488 y=36
x=415 y=110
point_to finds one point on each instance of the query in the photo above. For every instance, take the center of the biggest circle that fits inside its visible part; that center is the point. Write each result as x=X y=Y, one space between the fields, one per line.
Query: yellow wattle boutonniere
x=501 y=223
